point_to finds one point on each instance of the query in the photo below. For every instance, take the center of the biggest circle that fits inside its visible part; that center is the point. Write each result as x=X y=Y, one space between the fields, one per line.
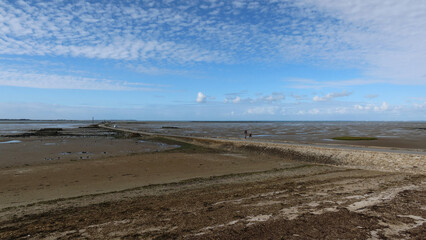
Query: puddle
x=12 y=141
x=163 y=145
x=159 y=144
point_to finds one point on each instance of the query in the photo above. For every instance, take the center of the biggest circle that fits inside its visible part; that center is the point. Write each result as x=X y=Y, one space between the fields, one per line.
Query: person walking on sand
x=245 y=134
x=250 y=134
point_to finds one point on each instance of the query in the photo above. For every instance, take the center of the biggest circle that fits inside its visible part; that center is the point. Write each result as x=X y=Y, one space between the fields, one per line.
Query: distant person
x=250 y=134
x=245 y=134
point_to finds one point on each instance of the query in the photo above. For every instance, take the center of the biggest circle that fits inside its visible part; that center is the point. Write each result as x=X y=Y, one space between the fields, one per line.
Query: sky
x=273 y=60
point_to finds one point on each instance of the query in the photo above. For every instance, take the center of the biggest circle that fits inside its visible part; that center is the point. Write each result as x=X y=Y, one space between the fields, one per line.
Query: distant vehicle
x=115 y=126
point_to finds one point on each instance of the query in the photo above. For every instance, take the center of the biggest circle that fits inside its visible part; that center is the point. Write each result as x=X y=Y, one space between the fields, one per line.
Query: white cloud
x=97 y=30
x=358 y=107
x=319 y=99
x=376 y=108
x=324 y=111
x=310 y=83
x=236 y=100
x=274 y=97
x=382 y=107
x=201 y=98
x=152 y=70
x=383 y=39
x=262 y=110
x=55 y=81
x=331 y=96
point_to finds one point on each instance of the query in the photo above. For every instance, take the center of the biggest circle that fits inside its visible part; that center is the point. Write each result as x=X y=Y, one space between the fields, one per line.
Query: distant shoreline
x=203 y=121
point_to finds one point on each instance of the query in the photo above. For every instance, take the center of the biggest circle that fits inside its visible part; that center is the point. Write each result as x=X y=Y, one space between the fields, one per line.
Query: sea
x=13 y=127
x=388 y=134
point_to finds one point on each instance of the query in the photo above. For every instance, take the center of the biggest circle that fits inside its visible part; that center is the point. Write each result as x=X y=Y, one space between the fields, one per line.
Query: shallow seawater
x=281 y=128
x=389 y=134
x=12 y=141
x=403 y=134
x=18 y=127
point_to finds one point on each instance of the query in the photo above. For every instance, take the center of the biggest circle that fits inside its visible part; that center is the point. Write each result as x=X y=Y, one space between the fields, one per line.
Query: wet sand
x=199 y=190
x=72 y=145
x=30 y=184
x=400 y=135
x=371 y=158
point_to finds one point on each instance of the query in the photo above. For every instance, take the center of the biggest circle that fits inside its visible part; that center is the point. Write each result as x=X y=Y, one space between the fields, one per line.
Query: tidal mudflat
x=405 y=135
x=168 y=187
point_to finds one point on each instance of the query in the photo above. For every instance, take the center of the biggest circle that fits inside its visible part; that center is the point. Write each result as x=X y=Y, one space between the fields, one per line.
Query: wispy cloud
x=263 y=110
x=152 y=70
x=36 y=110
x=97 y=30
x=385 y=40
x=298 y=97
x=55 y=81
x=331 y=96
x=315 y=84
x=272 y=98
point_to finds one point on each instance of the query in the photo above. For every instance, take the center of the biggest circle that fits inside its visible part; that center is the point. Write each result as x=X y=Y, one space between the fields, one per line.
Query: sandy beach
x=103 y=183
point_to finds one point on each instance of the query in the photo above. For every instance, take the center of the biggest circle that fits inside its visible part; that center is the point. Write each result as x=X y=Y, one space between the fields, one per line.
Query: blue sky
x=213 y=60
